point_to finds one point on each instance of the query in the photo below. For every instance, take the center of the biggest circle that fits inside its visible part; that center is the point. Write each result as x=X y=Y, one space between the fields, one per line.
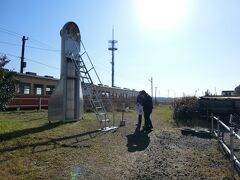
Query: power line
x=31 y=47
x=8 y=43
x=53 y=50
x=42 y=63
x=42 y=44
x=10 y=54
x=10 y=32
x=30 y=60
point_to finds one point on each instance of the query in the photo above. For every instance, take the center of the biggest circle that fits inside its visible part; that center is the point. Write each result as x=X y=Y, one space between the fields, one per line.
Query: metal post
x=212 y=123
x=230 y=120
x=207 y=115
x=113 y=117
x=40 y=103
x=151 y=80
x=105 y=121
x=231 y=152
x=218 y=130
x=112 y=66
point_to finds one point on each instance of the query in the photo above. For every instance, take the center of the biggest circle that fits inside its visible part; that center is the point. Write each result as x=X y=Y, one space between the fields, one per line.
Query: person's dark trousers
x=148 y=122
x=139 y=120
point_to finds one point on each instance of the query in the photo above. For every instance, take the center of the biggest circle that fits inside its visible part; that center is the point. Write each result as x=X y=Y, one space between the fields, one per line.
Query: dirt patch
x=160 y=154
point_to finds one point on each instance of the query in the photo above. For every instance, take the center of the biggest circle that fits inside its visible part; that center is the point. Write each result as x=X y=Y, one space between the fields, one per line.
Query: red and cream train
x=33 y=92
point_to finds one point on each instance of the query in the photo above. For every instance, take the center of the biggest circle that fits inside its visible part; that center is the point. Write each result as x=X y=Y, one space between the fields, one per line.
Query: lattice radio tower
x=112 y=47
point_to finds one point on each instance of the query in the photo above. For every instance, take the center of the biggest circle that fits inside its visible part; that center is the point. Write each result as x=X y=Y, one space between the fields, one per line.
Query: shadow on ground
x=56 y=142
x=138 y=141
x=24 y=132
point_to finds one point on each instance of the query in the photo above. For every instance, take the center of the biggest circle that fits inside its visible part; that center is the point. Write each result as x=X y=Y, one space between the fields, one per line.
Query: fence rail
x=232 y=134
x=28 y=102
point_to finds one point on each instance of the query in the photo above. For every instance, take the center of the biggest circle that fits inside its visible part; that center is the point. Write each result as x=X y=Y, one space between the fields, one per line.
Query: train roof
x=220 y=97
x=34 y=75
x=47 y=77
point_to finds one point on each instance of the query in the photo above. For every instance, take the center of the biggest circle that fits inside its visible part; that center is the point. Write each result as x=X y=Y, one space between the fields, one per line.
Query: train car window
x=107 y=94
x=49 y=89
x=38 y=89
x=24 y=88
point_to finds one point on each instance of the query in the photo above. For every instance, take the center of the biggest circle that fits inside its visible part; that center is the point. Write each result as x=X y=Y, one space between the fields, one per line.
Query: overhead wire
x=30 y=60
x=42 y=63
x=10 y=32
x=8 y=43
x=31 y=47
x=33 y=40
x=43 y=49
x=9 y=55
x=41 y=44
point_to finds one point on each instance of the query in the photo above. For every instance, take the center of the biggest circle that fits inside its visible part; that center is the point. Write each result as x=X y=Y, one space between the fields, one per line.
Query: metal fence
x=29 y=102
x=228 y=138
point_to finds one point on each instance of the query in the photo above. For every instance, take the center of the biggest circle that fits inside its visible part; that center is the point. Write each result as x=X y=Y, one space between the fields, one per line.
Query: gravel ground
x=163 y=153
x=174 y=156
x=160 y=154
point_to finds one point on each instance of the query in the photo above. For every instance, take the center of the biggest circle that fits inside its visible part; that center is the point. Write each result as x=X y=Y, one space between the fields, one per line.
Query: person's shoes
x=147 y=129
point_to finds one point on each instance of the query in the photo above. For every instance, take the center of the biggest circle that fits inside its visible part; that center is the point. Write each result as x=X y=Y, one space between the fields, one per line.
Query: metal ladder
x=91 y=91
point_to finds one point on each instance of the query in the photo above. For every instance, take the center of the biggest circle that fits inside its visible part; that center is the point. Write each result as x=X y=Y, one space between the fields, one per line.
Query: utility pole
x=151 y=80
x=112 y=47
x=23 y=64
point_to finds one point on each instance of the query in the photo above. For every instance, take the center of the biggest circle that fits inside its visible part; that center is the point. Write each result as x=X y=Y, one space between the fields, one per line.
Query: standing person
x=139 y=109
x=147 y=109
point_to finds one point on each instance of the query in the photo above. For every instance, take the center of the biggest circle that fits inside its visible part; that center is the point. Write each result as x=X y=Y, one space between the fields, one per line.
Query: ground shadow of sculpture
x=24 y=132
x=138 y=141
x=72 y=141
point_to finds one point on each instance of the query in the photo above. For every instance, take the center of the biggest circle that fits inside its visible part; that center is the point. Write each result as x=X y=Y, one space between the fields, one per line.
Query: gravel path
x=160 y=154
x=171 y=155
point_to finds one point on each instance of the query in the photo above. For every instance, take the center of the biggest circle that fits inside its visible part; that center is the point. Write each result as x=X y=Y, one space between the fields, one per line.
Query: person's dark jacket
x=140 y=99
x=147 y=103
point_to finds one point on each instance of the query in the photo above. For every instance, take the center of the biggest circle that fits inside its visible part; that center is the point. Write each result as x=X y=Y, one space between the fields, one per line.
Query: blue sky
x=198 y=51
